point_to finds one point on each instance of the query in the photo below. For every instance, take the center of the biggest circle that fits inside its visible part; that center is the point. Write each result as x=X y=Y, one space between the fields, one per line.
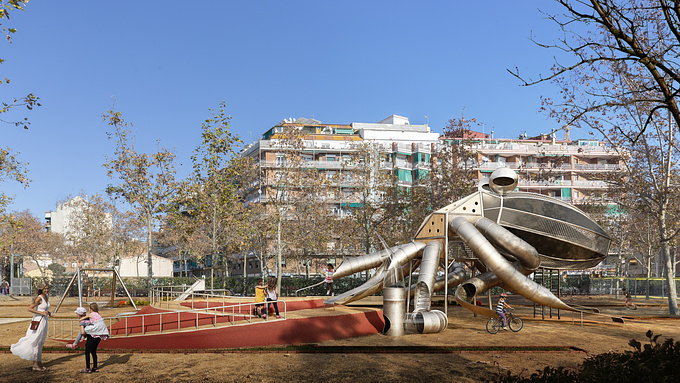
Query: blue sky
x=165 y=63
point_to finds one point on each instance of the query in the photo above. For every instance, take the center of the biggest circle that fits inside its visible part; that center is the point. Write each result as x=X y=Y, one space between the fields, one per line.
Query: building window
x=280 y=159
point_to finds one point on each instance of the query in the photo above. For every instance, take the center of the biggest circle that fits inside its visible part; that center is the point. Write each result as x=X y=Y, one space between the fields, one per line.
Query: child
x=272 y=296
x=94 y=332
x=259 y=297
x=629 y=299
x=329 y=279
x=501 y=309
x=84 y=322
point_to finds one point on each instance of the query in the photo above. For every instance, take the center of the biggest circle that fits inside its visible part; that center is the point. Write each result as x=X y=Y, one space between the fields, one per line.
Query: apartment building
x=406 y=150
x=571 y=170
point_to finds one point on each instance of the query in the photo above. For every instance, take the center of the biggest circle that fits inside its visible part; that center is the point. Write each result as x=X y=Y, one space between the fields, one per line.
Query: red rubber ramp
x=269 y=333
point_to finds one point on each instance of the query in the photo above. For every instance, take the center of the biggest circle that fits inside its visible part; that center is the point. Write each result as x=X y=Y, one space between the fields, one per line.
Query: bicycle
x=496 y=323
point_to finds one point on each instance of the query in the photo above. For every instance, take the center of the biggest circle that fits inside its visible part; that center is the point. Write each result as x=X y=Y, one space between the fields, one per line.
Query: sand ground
x=594 y=336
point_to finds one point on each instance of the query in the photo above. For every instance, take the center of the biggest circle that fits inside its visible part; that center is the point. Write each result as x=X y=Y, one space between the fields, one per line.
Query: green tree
x=145 y=181
x=215 y=199
x=11 y=168
x=184 y=235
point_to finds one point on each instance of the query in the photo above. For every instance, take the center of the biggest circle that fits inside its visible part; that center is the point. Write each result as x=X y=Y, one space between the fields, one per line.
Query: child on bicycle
x=501 y=309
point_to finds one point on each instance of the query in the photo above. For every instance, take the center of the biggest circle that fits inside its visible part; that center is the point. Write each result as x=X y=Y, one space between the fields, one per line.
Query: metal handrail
x=227 y=310
x=308 y=287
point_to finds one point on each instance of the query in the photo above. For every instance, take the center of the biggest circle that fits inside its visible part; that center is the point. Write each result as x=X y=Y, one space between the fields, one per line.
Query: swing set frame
x=78 y=276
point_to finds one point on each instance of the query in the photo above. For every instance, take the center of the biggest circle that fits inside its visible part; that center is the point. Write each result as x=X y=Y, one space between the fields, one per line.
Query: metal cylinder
x=426 y=322
x=394 y=308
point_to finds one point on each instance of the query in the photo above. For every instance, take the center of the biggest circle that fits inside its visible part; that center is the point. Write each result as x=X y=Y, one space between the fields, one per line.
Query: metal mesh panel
x=459 y=249
x=568 y=264
x=555 y=229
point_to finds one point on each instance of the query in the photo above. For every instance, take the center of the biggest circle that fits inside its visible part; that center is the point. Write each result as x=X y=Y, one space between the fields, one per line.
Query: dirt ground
x=596 y=335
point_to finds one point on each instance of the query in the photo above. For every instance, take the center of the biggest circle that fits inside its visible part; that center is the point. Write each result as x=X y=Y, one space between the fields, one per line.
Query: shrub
x=655 y=362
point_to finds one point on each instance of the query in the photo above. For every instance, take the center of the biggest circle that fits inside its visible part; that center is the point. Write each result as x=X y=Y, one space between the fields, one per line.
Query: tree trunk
x=225 y=275
x=278 y=256
x=245 y=272
x=649 y=275
x=149 y=247
x=670 y=279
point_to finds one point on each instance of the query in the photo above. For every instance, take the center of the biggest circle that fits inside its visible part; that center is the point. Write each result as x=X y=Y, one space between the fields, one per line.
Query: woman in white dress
x=30 y=347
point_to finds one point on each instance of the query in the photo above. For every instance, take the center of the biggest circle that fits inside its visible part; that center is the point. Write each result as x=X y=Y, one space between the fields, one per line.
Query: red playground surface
x=259 y=333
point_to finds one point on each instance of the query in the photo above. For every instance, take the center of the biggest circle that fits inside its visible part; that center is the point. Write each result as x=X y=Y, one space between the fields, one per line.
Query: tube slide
x=501 y=271
x=401 y=254
x=422 y=320
x=512 y=277
x=428 y=274
x=372 y=260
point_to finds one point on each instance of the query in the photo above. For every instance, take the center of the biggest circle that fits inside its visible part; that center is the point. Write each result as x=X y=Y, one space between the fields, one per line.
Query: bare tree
x=623 y=84
x=287 y=184
x=89 y=229
x=372 y=206
x=29 y=238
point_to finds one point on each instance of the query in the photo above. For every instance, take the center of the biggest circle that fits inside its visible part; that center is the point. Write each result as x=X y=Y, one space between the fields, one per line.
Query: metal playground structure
x=506 y=235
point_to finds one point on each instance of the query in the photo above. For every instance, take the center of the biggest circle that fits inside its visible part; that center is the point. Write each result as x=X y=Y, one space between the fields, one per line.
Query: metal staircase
x=550 y=279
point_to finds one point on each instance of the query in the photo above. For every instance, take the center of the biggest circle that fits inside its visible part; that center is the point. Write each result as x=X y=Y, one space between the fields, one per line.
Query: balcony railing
x=532 y=166
x=508 y=147
x=563 y=184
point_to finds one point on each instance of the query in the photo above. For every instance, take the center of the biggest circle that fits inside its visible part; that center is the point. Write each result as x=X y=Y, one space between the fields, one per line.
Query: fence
x=21 y=286
x=200 y=309
x=636 y=286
